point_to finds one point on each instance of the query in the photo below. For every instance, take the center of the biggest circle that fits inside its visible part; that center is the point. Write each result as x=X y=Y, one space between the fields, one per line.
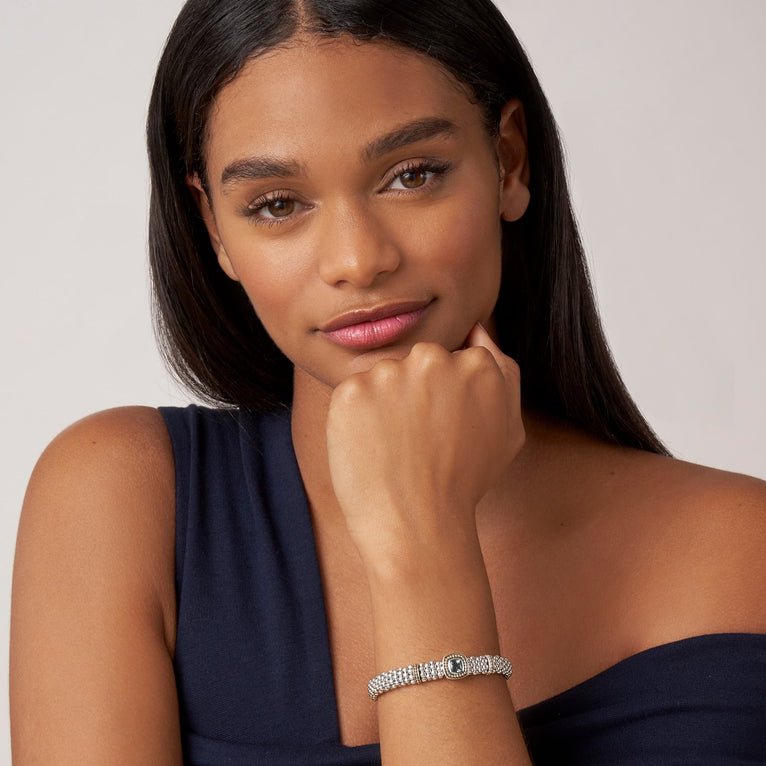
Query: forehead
x=311 y=96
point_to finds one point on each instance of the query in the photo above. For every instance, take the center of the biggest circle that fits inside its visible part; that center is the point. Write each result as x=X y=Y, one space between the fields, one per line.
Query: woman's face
x=357 y=197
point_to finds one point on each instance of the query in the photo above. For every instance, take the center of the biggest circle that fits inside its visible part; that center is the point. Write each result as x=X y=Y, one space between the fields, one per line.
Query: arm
x=93 y=607
x=413 y=447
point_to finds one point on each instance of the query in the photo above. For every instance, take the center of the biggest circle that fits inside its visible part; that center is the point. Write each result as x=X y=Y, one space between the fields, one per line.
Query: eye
x=278 y=208
x=272 y=208
x=418 y=175
x=412 y=179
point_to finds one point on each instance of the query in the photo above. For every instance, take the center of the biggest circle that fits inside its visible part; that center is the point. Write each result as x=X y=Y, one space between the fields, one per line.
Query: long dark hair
x=546 y=315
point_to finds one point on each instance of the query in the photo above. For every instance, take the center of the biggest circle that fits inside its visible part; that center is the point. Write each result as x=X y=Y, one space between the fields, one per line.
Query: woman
x=361 y=237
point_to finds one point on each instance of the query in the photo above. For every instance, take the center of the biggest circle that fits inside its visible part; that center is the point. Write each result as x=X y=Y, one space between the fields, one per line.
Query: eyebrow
x=256 y=168
x=412 y=132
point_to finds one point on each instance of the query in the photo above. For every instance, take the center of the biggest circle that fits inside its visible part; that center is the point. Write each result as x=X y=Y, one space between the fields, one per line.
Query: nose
x=355 y=248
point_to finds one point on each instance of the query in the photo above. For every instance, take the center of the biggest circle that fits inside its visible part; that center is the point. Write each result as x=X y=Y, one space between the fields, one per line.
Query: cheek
x=466 y=240
x=273 y=284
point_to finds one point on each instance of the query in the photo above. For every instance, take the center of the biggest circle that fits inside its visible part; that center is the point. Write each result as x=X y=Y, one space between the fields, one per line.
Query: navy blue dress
x=253 y=665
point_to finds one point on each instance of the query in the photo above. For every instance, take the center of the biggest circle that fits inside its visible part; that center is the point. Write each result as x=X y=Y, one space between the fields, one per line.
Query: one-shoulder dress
x=252 y=659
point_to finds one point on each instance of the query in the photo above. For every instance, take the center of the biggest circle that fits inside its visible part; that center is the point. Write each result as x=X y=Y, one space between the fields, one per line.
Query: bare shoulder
x=617 y=550
x=727 y=507
x=685 y=545
x=135 y=436
x=103 y=489
x=698 y=535
x=108 y=477
x=93 y=607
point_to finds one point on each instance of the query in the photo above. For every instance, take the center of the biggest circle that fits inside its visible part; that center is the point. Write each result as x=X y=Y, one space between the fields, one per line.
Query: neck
x=311 y=402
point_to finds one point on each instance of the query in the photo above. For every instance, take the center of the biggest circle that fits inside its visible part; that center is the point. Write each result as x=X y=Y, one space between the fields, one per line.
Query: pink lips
x=366 y=329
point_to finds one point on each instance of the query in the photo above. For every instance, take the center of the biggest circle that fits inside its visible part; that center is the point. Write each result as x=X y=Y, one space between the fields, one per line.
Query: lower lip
x=366 y=335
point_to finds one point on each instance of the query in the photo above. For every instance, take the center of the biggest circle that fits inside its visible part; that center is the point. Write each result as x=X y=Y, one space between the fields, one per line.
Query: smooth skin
x=446 y=519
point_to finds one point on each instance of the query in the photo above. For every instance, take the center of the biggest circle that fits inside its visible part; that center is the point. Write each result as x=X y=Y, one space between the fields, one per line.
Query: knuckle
x=427 y=355
x=349 y=390
x=384 y=371
x=479 y=358
x=480 y=367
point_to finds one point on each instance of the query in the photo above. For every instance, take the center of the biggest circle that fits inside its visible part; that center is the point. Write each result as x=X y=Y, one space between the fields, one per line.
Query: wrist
x=408 y=557
x=438 y=608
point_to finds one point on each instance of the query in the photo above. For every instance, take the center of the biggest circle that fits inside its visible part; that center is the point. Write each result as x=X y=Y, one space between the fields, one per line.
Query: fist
x=414 y=444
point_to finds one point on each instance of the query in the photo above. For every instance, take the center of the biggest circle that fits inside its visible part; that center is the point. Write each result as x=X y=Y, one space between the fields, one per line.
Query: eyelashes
x=414 y=177
x=417 y=175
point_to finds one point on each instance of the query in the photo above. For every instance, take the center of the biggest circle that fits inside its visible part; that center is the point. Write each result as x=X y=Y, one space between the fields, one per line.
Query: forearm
x=413 y=446
x=442 y=603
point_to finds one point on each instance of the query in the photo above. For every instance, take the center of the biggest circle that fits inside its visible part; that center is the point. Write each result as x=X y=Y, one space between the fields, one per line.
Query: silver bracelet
x=452 y=666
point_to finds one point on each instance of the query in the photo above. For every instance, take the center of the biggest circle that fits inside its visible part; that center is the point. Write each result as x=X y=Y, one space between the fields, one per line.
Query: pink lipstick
x=367 y=329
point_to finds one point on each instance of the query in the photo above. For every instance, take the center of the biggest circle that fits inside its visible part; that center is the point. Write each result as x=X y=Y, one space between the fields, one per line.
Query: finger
x=480 y=337
x=511 y=376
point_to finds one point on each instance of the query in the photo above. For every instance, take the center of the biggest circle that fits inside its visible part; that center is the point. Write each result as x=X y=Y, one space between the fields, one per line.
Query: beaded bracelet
x=452 y=666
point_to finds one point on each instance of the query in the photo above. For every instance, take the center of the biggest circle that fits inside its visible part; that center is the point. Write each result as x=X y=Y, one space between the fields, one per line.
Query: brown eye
x=412 y=179
x=414 y=176
x=279 y=208
x=272 y=209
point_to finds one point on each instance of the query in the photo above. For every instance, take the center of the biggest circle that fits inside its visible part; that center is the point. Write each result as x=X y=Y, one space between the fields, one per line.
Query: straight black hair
x=546 y=315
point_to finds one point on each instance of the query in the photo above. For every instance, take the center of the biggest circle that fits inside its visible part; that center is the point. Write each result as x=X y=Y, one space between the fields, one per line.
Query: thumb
x=510 y=372
x=480 y=337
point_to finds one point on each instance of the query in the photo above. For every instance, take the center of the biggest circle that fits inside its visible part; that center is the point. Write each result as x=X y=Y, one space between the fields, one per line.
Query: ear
x=511 y=147
x=206 y=211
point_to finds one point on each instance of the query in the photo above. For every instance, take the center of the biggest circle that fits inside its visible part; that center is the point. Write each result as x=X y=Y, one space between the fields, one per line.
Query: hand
x=414 y=444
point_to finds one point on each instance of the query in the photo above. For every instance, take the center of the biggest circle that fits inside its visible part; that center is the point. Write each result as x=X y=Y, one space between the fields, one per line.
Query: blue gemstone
x=456 y=666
